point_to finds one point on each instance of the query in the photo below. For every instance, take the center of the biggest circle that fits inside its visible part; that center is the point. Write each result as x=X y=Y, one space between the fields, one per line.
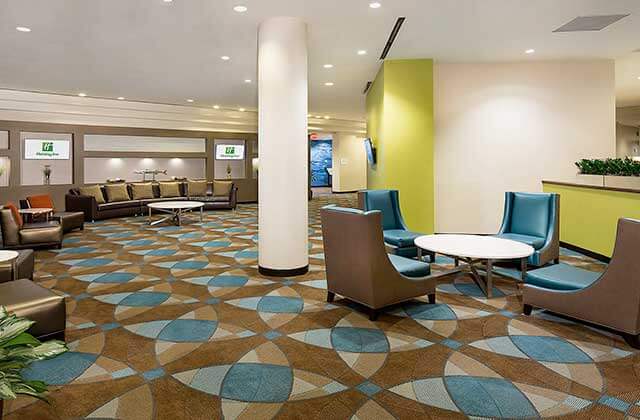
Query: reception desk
x=589 y=214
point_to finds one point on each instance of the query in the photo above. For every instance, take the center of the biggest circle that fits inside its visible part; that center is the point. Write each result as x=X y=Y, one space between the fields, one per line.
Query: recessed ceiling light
x=240 y=9
x=82 y=94
x=375 y=5
x=329 y=84
x=225 y=58
x=190 y=100
x=530 y=51
x=241 y=109
x=326 y=117
x=362 y=52
x=23 y=29
x=121 y=98
x=247 y=80
x=167 y=1
x=328 y=66
x=216 y=107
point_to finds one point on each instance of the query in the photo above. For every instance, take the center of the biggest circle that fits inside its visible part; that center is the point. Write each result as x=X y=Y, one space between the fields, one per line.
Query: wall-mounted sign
x=229 y=152
x=46 y=149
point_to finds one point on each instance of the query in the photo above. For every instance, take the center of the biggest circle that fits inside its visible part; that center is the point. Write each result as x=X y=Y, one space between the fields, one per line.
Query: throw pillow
x=17 y=217
x=142 y=191
x=222 y=188
x=116 y=192
x=169 y=189
x=197 y=188
x=93 y=191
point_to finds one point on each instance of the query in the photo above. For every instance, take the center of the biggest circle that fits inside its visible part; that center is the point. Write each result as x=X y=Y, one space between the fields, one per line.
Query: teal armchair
x=534 y=219
x=398 y=238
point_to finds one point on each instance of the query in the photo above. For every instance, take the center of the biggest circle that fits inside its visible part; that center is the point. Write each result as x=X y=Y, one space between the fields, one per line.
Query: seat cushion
x=400 y=237
x=409 y=267
x=534 y=241
x=530 y=214
x=119 y=205
x=382 y=200
x=561 y=277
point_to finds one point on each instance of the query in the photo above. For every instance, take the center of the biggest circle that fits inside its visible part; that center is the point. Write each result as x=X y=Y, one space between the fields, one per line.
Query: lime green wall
x=400 y=123
x=589 y=217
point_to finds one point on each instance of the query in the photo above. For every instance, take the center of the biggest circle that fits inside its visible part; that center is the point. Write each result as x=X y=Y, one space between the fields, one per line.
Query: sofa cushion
x=141 y=191
x=42 y=201
x=534 y=241
x=158 y=200
x=116 y=193
x=530 y=214
x=408 y=267
x=222 y=188
x=119 y=205
x=400 y=237
x=169 y=189
x=561 y=277
x=197 y=188
x=93 y=191
x=17 y=217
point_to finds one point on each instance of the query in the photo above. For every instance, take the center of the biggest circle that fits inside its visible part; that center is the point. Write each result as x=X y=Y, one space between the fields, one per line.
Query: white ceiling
x=149 y=50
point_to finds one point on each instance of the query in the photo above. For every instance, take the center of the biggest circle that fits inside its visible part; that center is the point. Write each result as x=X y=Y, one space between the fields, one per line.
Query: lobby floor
x=175 y=322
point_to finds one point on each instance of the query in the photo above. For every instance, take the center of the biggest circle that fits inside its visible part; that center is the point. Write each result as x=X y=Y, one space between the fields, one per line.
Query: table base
x=484 y=282
x=175 y=215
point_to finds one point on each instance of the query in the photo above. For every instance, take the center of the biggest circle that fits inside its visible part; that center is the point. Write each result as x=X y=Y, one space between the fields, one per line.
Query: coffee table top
x=8 y=255
x=474 y=246
x=35 y=210
x=174 y=205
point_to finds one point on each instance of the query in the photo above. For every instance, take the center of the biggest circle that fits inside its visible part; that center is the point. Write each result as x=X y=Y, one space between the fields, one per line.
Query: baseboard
x=590 y=254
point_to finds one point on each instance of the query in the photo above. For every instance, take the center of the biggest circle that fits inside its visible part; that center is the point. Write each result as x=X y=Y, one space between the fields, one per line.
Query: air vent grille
x=590 y=23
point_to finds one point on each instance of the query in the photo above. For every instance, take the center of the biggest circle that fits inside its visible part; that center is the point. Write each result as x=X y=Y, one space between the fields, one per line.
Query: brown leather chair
x=69 y=220
x=28 y=235
x=610 y=299
x=23 y=266
x=359 y=268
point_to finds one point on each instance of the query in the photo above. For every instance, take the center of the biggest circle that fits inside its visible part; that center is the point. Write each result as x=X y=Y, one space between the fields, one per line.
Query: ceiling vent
x=367 y=87
x=590 y=23
x=392 y=37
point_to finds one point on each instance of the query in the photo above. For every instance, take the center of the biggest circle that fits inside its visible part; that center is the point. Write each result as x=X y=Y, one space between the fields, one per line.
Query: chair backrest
x=530 y=213
x=385 y=201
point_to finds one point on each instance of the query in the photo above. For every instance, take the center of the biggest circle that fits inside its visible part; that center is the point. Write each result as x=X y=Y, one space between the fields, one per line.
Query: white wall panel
x=98 y=170
x=111 y=143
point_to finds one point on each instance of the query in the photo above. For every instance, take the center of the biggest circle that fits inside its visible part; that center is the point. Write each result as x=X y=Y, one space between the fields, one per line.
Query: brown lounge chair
x=359 y=268
x=610 y=299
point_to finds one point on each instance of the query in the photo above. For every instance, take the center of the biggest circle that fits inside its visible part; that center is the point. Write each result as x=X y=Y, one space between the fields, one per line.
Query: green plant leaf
x=14 y=328
x=6 y=391
x=23 y=339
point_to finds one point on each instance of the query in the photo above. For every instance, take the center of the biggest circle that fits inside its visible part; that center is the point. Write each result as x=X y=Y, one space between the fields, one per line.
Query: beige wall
x=349 y=163
x=627 y=141
x=505 y=127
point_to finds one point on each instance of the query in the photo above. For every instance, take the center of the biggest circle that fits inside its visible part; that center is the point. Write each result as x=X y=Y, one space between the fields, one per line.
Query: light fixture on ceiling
x=530 y=51
x=247 y=80
x=190 y=101
x=225 y=58
x=328 y=66
x=216 y=107
x=82 y=94
x=362 y=52
x=318 y=116
x=326 y=117
x=121 y=98
x=328 y=84
x=241 y=109
x=375 y=5
x=23 y=29
x=240 y=9
x=167 y=1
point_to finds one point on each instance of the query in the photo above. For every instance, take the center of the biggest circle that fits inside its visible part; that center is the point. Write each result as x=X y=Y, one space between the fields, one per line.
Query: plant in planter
x=611 y=167
x=46 y=171
x=17 y=350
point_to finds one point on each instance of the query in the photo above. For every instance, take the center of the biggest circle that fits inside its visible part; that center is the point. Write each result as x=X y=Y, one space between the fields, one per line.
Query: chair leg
x=556 y=261
x=373 y=314
x=432 y=298
x=632 y=340
x=330 y=296
x=527 y=309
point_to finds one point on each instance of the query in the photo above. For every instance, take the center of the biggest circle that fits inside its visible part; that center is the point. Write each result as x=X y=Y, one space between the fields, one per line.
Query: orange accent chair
x=69 y=220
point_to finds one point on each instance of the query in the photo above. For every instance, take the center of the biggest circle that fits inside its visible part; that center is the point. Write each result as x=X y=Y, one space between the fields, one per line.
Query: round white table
x=175 y=209
x=36 y=211
x=475 y=250
x=9 y=257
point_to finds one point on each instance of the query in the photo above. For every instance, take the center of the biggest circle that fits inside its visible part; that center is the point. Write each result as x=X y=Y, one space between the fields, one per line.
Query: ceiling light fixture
x=190 y=100
x=121 y=98
x=375 y=5
x=328 y=66
x=216 y=107
x=82 y=94
x=167 y=1
x=240 y=9
x=318 y=116
x=23 y=29
x=241 y=109
x=329 y=84
x=247 y=80
x=530 y=51
x=225 y=58
x=326 y=117
x=362 y=52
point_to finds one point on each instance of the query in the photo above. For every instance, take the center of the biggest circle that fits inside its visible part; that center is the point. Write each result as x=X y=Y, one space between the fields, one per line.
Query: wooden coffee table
x=176 y=210
x=477 y=252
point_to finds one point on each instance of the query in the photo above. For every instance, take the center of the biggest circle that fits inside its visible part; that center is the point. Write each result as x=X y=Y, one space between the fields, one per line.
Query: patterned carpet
x=175 y=322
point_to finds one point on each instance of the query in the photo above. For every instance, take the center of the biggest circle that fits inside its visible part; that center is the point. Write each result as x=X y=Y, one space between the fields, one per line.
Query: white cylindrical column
x=282 y=136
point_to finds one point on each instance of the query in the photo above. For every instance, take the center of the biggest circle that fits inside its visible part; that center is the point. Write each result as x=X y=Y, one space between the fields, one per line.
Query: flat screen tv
x=371 y=151
x=229 y=152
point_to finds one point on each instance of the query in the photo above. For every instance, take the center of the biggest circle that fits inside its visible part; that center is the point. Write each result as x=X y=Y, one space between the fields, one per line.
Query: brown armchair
x=18 y=235
x=611 y=299
x=68 y=220
x=359 y=268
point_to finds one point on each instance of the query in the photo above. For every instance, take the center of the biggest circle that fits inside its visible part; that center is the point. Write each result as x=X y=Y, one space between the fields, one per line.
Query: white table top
x=35 y=210
x=175 y=205
x=474 y=246
x=8 y=255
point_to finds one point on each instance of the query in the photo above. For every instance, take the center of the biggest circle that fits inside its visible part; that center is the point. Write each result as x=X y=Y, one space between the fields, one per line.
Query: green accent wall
x=589 y=216
x=400 y=124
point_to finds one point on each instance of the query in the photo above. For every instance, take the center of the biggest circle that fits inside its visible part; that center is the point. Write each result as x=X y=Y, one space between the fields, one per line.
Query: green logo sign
x=230 y=150
x=47 y=146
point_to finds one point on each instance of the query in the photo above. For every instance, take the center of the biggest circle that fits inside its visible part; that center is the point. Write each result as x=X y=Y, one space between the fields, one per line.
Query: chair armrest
x=84 y=203
x=23 y=265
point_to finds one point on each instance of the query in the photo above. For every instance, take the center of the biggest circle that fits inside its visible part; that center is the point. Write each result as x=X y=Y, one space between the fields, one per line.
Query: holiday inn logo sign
x=47 y=150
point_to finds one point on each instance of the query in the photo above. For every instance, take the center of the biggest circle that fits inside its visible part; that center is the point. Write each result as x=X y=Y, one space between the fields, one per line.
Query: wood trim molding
x=592 y=187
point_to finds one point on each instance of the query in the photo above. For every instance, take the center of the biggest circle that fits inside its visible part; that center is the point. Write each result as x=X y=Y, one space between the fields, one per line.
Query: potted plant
x=17 y=350
x=46 y=171
x=617 y=173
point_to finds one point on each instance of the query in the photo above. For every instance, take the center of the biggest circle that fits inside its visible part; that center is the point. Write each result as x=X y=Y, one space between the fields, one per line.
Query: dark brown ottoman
x=69 y=220
x=25 y=298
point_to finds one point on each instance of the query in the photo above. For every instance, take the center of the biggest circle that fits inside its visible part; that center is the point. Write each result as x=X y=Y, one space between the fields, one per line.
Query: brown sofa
x=359 y=268
x=76 y=202
x=29 y=235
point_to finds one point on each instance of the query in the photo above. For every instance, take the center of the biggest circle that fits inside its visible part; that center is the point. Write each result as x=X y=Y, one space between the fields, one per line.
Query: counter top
x=593 y=187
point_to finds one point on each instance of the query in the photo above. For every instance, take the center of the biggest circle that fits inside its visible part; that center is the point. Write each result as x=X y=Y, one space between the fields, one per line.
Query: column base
x=293 y=272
